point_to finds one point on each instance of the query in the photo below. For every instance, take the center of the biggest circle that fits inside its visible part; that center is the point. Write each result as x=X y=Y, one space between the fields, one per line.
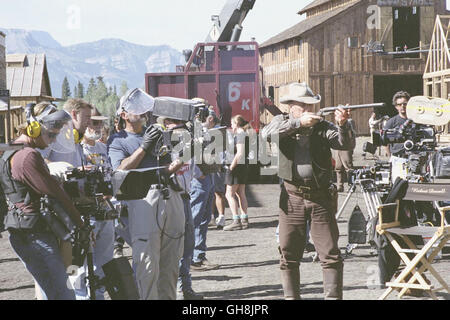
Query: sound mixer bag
x=357 y=227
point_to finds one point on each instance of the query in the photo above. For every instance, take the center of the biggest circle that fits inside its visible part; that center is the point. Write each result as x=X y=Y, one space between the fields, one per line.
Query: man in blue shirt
x=156 y=223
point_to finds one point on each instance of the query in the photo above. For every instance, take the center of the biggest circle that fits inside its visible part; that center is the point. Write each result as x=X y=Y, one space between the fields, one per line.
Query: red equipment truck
x=222 y=70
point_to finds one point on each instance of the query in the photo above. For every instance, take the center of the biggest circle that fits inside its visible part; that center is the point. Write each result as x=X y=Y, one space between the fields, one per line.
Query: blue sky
x=178 y=23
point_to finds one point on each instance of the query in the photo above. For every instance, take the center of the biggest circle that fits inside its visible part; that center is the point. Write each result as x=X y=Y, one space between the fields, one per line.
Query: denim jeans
x=39 y=252
x=202 y=194
x=184 y=279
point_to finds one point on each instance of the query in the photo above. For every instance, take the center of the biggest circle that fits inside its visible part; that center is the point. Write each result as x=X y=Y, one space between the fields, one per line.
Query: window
x=273 y=53
x=271 y=92
x=448 y=5
x=286 y=49
x=300 y=44
x=406 y=30
x=352 y=42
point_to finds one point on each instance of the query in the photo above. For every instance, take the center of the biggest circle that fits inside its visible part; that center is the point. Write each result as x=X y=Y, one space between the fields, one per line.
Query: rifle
x=329 y=110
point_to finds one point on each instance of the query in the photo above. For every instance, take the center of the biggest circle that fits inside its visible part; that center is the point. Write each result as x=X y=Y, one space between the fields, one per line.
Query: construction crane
x=227 y=26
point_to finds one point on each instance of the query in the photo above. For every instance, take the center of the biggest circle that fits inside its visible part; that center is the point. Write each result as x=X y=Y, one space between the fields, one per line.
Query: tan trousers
x=344 y=162
x=157 y=240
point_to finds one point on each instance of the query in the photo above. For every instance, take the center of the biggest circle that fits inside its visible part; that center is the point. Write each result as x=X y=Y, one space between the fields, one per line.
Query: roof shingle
x=25 y=81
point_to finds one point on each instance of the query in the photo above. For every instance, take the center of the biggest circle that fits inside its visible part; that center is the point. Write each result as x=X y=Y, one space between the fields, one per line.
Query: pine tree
x=75 y=92
x=65 y=90
x=80 y=90
x=90 y=93
x=123 y=88
x=101 y=92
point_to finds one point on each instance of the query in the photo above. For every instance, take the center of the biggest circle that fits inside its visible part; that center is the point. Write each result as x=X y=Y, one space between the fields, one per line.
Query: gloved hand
x=150 y=138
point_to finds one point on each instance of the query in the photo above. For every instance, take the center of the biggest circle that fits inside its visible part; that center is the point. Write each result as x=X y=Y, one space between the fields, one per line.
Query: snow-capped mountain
x=114 y=59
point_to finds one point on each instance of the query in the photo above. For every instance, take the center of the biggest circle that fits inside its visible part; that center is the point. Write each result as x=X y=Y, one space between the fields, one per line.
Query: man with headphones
x=25 y=178
x=156 y=222
x=80 y=112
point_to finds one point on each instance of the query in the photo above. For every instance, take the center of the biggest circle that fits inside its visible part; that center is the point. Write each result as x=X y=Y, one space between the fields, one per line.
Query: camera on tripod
x=380 y=173
x=415 y=138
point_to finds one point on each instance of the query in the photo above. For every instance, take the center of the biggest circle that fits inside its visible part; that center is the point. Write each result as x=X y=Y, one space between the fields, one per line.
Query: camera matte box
x=176 y=108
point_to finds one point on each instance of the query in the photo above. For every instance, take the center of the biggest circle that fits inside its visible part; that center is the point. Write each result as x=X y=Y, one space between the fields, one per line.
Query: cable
x=157 y=204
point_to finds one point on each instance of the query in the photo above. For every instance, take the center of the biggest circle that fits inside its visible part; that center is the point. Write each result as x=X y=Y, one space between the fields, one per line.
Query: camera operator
x=305 y=166
x=25 y=178
x=401 y=163
x=156 y=223
x=71 y=151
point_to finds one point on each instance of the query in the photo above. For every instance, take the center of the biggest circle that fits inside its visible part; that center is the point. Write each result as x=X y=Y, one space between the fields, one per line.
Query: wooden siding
x=339 y=73
x=436 y=78
x=327 y=7
x=2 y=62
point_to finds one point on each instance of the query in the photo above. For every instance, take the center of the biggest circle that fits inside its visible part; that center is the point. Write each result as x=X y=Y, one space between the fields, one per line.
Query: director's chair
x=417 y=260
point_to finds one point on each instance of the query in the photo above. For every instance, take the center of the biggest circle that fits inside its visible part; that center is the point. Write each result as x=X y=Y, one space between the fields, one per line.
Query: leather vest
x=320 y=154
x=15 y=192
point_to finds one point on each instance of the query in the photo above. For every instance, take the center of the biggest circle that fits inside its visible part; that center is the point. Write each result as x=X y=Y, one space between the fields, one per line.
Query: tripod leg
x=347 y=198
x=91 y=276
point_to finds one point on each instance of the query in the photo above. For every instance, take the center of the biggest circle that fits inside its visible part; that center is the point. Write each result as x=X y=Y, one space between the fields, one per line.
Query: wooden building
x=350 y=51
x=27 y=79
x=2 y=62
x=2 y=86
x=436 y=78
x=28 y=82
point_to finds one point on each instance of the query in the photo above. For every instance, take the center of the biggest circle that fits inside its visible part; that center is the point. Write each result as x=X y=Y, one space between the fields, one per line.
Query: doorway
x=384 y=88
x=406 y=30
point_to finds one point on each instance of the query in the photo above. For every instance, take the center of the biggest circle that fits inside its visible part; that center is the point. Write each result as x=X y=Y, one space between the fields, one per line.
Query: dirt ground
x=249 y=259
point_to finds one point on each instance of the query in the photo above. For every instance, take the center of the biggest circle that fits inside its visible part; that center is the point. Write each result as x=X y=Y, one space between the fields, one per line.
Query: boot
x=290 y=280
x=235 y=225
x=332 y=283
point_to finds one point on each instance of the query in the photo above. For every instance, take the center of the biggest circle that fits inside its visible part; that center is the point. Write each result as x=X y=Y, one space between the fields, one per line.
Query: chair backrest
x=403 y=190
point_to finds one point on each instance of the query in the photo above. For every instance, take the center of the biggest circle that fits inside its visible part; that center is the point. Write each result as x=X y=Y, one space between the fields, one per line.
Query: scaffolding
x=436 y=78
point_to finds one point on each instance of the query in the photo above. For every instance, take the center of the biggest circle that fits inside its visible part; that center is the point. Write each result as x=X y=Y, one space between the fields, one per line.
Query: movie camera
x=193 y=114
x=90 y=190
x=380 y=173
x=180 y=109
x=415 y=138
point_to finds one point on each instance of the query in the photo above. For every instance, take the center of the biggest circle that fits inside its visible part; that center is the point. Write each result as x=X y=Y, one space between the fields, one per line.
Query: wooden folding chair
x=423 y=257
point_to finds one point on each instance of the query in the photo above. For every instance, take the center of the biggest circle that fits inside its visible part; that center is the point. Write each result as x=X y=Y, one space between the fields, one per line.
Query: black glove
x=150 y=138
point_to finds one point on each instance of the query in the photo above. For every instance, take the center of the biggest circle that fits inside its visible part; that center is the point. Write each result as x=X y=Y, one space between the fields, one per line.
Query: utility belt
x=308 y=191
